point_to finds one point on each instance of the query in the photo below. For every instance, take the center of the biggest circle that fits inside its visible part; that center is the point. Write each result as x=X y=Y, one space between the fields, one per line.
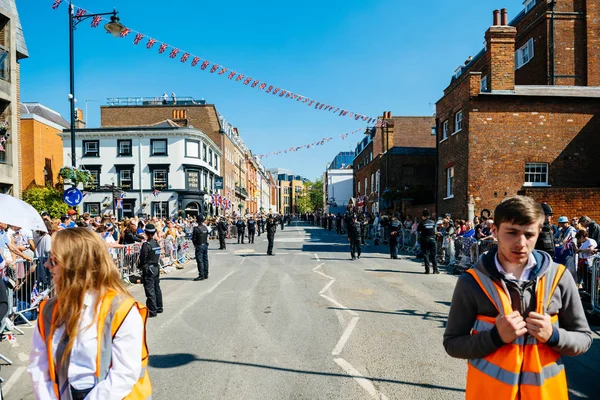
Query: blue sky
x=365 y=56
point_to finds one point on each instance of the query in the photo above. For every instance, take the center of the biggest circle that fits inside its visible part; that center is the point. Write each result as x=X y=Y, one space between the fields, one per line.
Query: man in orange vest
x=515 y=313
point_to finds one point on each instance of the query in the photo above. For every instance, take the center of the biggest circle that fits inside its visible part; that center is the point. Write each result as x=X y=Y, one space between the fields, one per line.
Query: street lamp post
x=115 y=28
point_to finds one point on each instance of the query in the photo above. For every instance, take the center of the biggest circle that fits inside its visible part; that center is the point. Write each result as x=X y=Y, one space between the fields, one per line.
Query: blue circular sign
x=73 y=197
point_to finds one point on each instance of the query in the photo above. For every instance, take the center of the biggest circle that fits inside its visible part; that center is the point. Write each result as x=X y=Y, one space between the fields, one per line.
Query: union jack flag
x=364 y=118
x=214 y=68
x=254 y=84
x=222 y=71
x=119 y=203
x=239 y=77
x=204 y=65
x=270 y=88
x=310 y=103
x=305 y=100
x=341 y=112
x=2 y=148
x=345 y=113
x=288 y=94
x=80 y=12
x=155 y=192
x=351 y=114
x=262 y=86
x=185 y=57
x=195 y=61
x=282 y=93
x=138 y=38
x=247 y=81
x=231 y=75
x=56 y=4
x=276 y=90
x=150 y=43
x=125 y=32
x=173 y=53
x=162 y=48
x=96 y=21
x=321 y=106
x=129 y=249
x=357 y=116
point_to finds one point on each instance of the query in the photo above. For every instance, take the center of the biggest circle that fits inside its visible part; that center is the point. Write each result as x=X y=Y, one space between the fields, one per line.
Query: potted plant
x=75 y=176
x=4 y=125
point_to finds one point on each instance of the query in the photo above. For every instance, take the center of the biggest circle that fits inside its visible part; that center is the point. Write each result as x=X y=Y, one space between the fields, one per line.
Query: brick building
x=404 y=146
x=40 y=140
x=524 y=114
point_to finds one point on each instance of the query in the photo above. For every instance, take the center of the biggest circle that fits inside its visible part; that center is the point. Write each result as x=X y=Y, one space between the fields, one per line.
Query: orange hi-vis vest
x=524 y=369
x=113 y=311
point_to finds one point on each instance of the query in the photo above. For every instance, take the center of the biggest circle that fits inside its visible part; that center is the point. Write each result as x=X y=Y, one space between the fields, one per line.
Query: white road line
x=342 y=342
x=335 y=302
x=327 y=286
x=317 y=257
x=358 y=377
x=12 y=380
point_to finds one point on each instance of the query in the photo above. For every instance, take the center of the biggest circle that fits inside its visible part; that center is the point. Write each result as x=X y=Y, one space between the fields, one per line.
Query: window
x=524 y=54
x=204 y=151
x=216 y=163
x=372 y=183
x=529 y=4
x=160 y=179
x=92 y=208
x=95 y=173
x=450 y=182
x=458 y=121
x=210 y=157
x=377 y=176
x=536 y=174
x=125 y=179
x=158 y=147
x=124 y=147
x=366 y=185
x=193 y=180
x=160 y=209
x=128 y=208
x=192 y=148
x=91 y=148
x=483 y=86
x=358 y=188
x=433 y=131
x=445 y=130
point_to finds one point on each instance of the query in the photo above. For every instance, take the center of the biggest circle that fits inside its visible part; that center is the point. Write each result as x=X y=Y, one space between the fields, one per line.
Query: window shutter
x=530 y=47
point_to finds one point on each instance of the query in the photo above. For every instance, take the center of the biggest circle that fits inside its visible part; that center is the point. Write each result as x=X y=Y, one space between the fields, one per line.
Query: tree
x=46 y=199
x=316 y=194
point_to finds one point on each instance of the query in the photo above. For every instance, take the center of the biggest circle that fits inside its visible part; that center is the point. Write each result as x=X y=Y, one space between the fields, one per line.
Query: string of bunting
x=221 y=70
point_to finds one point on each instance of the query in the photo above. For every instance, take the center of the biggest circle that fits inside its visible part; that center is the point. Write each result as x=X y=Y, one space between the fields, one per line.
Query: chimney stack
x=79 y=120
x=500 y=52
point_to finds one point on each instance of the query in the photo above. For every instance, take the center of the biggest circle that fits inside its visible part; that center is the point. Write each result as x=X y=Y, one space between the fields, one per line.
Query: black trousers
x=222 y=245
x=154 y=300
x=251 y=236
x=282 y=226
x=240 y=236
x=354 y=247
x=428 y=246
x=271 y=239
x=202 y=259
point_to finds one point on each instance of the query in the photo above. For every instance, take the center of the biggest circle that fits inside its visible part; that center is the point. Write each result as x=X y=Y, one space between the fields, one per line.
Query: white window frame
x=153 y=147
x=372 y=183
x=483 y=86
x=120 y=149
x=165 y=181
x=88 y=149
x=358 y=188
x=366 y=185
x=458 y=121
x=524 y=54
x=529 y=4
x=531 y=171
x=449 y=183
x=445 y=129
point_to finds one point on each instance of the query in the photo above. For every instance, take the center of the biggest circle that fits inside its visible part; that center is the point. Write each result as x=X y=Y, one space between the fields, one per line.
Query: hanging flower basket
x=75 y=176
x=4 y=125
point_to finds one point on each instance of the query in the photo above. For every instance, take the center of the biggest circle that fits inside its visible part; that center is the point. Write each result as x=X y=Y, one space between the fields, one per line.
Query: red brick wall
x=573 y=202
x=593 y=42
x=411 y=131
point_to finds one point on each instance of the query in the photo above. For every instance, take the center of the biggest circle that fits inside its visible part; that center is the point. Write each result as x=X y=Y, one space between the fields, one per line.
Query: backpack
x=545 y=241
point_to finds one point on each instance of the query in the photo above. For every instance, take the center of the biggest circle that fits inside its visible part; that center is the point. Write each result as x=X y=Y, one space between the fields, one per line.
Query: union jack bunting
x=351 y=114
x=56 y=4
x=195 y=61
x=125 y=32
x=80 y=12
x=262 y=86
x=247 y=80
x=239 y=77
x=341 y=113
x=138 y=38
x=231 y=75
x=2 y=148
x=150 y=43
x=310 y=103
x=276 y=90
x=305 y=100
x=128 y=249
x=270 y=88
x=336 y=110
x=254 y=84
x=364 y=118
x=222 y=71
x=214 y=68
x=185 y=57
x=321 y=106
x=282 y=93
x=173 y=53
x=204 y=65
x=288 y=94
x=155 y=192
x=316 y=105
x=162 y=48
x=96 y=21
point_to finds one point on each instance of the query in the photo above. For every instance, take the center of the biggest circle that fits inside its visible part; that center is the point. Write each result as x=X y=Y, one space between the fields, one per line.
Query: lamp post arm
x=76 y=20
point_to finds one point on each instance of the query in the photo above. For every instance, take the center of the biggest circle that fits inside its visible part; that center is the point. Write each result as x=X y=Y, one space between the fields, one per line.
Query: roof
x=42 y=111
x=549 y=91
x=167 y=123
x=11 y=7
x=413 y=151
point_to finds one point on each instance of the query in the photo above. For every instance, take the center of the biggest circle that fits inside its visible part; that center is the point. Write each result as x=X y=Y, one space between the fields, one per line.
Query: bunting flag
x=287 y=94
x=155 y=192
x=184 y=57
x=247 y=81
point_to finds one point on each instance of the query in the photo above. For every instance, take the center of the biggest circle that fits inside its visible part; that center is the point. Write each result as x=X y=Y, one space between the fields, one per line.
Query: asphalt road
x=307 y=323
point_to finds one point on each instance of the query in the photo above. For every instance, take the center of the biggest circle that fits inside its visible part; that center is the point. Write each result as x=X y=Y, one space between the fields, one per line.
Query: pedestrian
x=271 y=229
x=354 y=234
x=200 y=241
x=395 y=227
x=545 y=239
x=251 y=228
x=241 y=227
x=261 y=224
x=149 y=264
x=90 y=340
x=165 y=98
x=338 y=223
x=174 y=98
x=505 y=313
x=427 y=234
x=281 y=221
x=222 y=231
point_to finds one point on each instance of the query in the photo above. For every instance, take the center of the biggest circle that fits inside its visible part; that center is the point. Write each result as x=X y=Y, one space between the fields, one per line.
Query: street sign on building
x=218 y=182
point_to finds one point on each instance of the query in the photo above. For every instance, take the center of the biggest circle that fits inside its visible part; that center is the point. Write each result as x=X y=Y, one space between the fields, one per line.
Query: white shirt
x=590 y=243
x=524 y=275
x=126 y=357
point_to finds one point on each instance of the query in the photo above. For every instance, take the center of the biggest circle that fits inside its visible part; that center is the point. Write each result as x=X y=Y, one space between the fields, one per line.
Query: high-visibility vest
x=525 y=368
x=113 y=310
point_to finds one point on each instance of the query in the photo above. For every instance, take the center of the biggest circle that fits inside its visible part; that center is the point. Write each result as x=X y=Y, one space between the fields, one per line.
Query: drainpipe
x=552 y=5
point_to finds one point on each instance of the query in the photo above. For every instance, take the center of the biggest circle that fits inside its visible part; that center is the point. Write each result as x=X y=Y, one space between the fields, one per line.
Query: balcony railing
x=4 y=64
x=241 y=191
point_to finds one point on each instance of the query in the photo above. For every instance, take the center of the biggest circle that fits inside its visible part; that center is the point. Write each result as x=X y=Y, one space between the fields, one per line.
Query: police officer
x=545 y=241
x=251 y=228
x=149 y=257
x=354 y=233
x=394 y=238
x=222 y=228
x=241 y=227
x=427 y=234
x=200 y=241
x=281 y=221
x=261 y=224
x=271 y=229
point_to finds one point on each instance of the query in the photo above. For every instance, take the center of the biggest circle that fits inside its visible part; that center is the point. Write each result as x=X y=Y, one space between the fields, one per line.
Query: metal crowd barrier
x=595 y=295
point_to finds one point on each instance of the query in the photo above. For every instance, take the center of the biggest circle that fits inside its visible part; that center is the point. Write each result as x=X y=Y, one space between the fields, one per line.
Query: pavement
x=307 y=323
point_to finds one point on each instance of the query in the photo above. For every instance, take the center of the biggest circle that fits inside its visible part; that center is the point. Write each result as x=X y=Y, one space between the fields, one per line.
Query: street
x=307 y=323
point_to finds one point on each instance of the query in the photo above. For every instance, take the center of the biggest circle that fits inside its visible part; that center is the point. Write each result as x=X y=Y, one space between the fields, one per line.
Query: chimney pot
x=468 y=60
x=496 y=18
x=504 y=17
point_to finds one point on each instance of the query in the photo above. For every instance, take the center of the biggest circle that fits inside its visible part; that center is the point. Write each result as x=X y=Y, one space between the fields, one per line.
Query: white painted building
x=163 y=170
x=338 y=186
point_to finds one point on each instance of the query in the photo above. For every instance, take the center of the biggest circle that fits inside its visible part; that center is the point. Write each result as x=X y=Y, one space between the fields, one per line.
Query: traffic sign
x=73 y=197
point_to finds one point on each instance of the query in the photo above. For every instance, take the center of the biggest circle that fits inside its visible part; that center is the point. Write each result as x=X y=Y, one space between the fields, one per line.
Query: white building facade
x=339 y=184
x=162 y=171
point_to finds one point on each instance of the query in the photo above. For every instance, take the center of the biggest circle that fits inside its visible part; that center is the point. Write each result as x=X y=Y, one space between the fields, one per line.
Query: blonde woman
x=67 y=360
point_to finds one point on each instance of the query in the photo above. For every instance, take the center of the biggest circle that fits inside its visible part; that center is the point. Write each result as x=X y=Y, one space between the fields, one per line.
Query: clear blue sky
x=366 y=56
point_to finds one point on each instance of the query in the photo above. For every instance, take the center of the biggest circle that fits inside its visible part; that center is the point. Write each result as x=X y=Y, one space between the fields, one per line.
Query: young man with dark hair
x=515 y=313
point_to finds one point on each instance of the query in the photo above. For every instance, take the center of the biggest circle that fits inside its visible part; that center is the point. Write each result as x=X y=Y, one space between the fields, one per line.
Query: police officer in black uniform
x=222 y=228
x=149 y=257
x=261 y=224
x=271 y=229
x=354 y=234
x=281 y=221
x=395 y=227
x=200 y=241
x=427 y=234
x=241 y=227
x=545 y=241
x=251 y=228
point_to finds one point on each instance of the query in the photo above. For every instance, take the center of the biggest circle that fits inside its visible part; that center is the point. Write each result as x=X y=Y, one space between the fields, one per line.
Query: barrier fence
x=595 y=294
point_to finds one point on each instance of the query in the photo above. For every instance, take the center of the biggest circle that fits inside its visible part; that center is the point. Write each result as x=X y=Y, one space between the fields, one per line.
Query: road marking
x=342 y=342
x=23 y=357
x=244 y=251
x=327 y=286
x=343 y=307
x=317 y=257
x=358 y=377
x=12 y=380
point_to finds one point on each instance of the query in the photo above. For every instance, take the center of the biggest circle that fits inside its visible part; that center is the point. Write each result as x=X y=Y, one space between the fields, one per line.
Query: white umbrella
x=18 y=213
